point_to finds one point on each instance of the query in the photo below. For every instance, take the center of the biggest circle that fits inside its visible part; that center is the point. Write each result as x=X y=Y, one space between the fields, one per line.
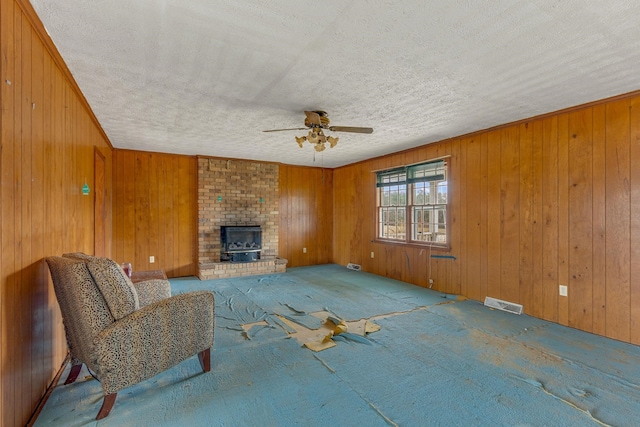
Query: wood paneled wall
x=155 y=211
x=48 y=140
x=306 y=215
x=534 y=205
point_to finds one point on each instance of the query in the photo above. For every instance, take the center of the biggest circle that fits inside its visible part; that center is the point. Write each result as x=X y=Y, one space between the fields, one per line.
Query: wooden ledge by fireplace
x=219 y=270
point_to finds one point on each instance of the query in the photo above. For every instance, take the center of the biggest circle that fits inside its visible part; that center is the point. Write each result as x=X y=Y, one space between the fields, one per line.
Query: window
x=412 y=203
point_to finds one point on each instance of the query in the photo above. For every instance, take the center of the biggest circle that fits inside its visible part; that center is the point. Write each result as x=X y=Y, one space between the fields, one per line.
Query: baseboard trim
x=45 y=397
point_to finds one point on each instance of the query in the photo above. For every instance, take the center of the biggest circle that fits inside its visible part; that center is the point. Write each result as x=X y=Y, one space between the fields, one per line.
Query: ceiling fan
x=316 y=121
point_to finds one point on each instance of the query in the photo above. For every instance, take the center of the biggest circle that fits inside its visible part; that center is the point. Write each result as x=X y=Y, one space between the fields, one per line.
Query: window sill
x=442 y=247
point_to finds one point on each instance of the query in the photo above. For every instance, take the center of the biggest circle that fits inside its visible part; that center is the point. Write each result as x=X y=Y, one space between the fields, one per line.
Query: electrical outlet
x=564 y=291
x=430 y=282
x=152 y=259
x=304 y=250
x=372 y=254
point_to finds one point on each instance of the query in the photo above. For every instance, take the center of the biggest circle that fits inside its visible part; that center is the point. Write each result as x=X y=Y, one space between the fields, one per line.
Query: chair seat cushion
x=115 y=286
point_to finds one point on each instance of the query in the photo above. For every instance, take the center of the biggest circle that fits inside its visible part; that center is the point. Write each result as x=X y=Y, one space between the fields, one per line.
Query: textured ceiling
x=207 y=76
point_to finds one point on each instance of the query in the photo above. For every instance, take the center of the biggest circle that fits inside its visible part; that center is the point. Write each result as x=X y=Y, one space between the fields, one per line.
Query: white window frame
x=413 y=204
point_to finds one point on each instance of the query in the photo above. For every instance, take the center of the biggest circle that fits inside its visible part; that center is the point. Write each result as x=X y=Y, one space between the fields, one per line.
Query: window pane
x=419 y=193
x=419 y=228
x=392 y=223
x=384 y=222
x=442 y=192
x=394 y=196
x=401 y=224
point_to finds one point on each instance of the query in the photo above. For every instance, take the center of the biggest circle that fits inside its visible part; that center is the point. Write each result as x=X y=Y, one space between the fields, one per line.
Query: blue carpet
x=436 y=361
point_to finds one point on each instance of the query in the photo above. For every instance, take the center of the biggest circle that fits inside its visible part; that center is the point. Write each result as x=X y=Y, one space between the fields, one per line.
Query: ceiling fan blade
x=280 y=130
x=350 y=129
x=313 y=118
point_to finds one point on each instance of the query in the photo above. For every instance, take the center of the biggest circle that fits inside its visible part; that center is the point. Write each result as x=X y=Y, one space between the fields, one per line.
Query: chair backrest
x=84 y=310
x=80 y=256
x=115 y=286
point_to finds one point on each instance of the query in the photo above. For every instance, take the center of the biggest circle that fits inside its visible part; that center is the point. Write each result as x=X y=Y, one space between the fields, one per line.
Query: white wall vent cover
x=352 y=266
x=503 y=305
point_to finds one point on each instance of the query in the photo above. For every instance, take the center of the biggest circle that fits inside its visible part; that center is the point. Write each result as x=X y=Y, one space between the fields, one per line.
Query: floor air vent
x=503 y=305
x=352 y=266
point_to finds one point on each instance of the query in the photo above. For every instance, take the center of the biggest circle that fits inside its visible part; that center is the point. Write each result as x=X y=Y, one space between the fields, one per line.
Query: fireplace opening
x=240 y=243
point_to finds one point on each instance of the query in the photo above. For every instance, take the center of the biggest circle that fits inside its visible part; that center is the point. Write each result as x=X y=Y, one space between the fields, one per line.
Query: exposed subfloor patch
x=434 y=360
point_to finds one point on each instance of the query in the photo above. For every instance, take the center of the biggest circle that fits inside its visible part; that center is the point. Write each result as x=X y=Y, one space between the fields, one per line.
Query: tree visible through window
x=412 y=203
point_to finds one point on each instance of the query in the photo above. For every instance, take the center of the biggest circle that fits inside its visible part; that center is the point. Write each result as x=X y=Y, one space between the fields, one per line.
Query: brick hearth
x=220 y=270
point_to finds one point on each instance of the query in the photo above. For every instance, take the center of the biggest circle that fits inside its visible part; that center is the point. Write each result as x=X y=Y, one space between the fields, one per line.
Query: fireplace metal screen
x=240 y=243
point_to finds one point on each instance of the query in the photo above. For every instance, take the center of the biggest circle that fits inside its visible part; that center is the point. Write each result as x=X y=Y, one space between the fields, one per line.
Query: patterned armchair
x=126 y=334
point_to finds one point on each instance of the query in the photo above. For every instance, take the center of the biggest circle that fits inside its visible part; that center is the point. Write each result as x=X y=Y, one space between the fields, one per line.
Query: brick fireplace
x=237 y=193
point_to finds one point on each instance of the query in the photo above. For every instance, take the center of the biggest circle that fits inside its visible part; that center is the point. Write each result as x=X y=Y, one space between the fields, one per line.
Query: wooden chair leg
x=107 y=404
x=73 y=374
x=205 y=359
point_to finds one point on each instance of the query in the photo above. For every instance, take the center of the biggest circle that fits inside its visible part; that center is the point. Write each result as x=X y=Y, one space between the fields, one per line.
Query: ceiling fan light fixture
x=317 y=137
x=313 y=136
x=316 y=121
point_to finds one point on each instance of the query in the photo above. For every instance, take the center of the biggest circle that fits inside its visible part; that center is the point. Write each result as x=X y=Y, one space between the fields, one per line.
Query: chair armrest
x=153 y=339
x=151 y=291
